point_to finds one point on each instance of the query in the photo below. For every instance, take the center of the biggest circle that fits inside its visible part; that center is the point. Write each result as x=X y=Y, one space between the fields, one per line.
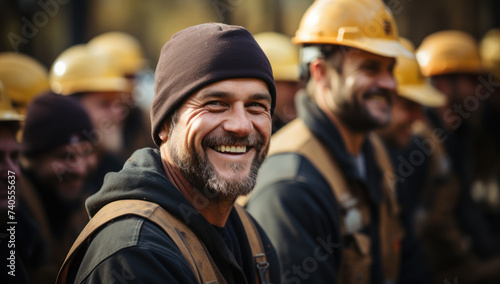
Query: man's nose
x=417 y=113
x=80 y=166
x=387 y=81
x=238 y=122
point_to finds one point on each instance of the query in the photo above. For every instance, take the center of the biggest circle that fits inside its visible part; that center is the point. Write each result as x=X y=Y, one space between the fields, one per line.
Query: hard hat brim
x=287 y=73
x=9 y=115
x=443 y=68
x=423 y=94
x=92 y=85
x=382 y=47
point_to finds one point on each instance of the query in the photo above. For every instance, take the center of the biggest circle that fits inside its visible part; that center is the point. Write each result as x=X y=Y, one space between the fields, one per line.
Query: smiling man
x=211 y=119
x=325 y=196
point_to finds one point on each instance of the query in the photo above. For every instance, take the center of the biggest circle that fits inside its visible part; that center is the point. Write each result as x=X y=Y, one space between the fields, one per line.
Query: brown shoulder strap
x=191 y=247
x=391 y=232
x=438 y=164
x=383 y=160
x=385 y=164
x=258 y=252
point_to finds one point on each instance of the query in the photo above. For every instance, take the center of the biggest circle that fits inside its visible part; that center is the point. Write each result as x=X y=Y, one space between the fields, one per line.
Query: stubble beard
x=202 y=175
x=356 y=116
x=359 y=120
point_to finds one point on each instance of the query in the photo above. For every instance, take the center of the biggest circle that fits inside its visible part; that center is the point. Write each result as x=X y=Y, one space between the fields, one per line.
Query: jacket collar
x=326 y=131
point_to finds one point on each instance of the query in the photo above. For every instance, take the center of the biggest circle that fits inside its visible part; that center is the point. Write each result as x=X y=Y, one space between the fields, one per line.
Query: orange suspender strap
x=391 y=231
x=191 y=247
x=383 y=161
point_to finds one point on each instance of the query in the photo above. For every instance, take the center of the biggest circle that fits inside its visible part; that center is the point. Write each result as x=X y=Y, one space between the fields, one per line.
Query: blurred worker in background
x=100 y=85
x=23 y=253
x=23 y=78
x=10 y=121
x=322 y=196
x=414 y=94
x=458 y=239
x=57 y=158
x=486 y=186
x=284 y=58
x=126 y=52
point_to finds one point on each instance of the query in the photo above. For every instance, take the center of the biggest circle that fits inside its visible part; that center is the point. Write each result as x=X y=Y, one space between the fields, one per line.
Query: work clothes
x=135 y=249
x=319 y=238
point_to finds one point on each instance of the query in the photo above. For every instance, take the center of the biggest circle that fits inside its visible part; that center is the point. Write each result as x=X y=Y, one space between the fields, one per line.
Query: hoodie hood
x=142 y=177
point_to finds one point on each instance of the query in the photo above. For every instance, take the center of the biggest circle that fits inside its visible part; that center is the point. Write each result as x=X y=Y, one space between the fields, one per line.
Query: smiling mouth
x=233 y=149
x=379 y=97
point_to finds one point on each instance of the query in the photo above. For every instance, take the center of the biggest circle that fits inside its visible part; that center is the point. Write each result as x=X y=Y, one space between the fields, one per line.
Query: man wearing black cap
x=20 y=245
x=211 y=119
x=56 y=160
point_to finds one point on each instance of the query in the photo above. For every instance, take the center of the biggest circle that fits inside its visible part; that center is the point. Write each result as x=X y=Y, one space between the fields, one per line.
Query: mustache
x=252 y=140
x=68 y=176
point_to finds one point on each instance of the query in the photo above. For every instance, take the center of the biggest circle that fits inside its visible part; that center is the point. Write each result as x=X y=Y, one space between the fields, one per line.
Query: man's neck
x=216 y=212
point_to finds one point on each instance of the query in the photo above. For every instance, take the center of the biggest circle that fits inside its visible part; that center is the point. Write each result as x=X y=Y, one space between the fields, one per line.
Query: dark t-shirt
x=231 y=239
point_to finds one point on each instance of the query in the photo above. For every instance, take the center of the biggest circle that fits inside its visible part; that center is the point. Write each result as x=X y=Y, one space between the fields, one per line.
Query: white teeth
x=378 y=98
x=231 y=149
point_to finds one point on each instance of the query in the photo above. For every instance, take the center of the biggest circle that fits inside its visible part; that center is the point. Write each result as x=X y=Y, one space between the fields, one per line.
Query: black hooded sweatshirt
x=134 y=250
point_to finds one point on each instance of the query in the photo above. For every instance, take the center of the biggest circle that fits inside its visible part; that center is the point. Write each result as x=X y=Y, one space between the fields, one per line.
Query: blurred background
x=44 y=28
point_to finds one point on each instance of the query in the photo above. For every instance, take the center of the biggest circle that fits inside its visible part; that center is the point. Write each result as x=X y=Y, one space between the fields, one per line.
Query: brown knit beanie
x=200 y=55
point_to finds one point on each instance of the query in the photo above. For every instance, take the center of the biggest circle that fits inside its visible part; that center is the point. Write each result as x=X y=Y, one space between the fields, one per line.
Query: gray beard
x=203 y=177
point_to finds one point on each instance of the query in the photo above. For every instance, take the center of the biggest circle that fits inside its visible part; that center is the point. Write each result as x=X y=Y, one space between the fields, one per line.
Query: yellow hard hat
x=282 y=53
x=79 y=70
x=412 y=84
x=448 y=52
x=489 y=49
x=123 y=48
x=23 y=78
x=7 y=112
x=363 y=24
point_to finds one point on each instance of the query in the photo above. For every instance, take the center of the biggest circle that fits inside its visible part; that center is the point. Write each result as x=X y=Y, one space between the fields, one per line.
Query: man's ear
x=318 y=70
x=163 y=134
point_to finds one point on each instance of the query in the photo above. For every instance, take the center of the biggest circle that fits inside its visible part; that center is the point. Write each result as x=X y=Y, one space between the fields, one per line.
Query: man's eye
x=15 y=157
x=391 y=68
x=257 y=106
x=371 y=68
x=214 y=103
x=215 y=106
